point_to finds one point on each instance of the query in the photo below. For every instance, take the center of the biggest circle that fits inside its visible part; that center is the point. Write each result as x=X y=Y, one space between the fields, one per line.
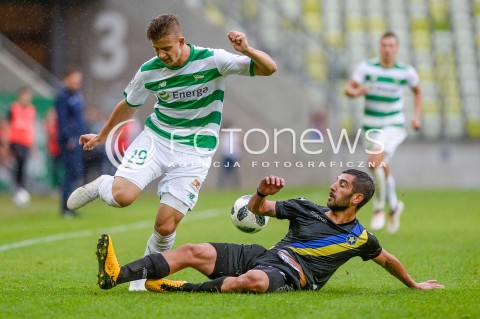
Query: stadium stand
x=440 y=38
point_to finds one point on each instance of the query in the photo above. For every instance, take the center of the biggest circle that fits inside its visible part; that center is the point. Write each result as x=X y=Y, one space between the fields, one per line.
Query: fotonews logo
x=136 y=156
x=265 y=144
x=258 y=141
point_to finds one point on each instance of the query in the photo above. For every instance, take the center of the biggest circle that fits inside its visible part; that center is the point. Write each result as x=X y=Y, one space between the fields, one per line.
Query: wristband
x=260 y=194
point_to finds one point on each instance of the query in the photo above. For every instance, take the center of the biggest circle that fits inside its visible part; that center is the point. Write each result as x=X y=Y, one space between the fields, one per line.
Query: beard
x=336 y=206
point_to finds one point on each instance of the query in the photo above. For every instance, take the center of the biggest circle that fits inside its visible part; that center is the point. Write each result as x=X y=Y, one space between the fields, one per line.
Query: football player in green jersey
x=382 y=82
x=180 y=137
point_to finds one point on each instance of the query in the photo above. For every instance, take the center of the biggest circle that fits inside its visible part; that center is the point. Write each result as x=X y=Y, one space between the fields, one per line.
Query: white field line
x=199 y=215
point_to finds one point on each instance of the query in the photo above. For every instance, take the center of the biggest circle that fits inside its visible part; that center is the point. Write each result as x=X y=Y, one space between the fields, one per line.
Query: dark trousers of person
x=57 y=171
x=229 y=175
x=73 y=165
x=20 y=153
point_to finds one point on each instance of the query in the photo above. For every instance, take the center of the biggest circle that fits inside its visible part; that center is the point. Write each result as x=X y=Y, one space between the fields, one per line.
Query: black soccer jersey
x=318 y=244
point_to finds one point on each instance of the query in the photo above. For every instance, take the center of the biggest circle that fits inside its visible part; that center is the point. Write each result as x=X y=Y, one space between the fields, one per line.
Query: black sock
x=209 y=286
x=153 y=266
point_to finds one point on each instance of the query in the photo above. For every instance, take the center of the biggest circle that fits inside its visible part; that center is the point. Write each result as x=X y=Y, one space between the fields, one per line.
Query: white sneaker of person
x=85 y=194
x=378 y=220
x=393 y=223
x=21 y=198
x=137 y=285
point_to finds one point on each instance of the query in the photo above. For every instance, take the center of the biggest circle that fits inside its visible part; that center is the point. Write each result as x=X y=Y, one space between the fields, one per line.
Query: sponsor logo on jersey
x=317 y=216
x=195 y=93
x=162 y=84
x=198 y=77
x=164 y=95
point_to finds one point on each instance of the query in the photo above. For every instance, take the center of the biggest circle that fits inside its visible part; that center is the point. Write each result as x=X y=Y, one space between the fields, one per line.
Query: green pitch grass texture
x=48 y=267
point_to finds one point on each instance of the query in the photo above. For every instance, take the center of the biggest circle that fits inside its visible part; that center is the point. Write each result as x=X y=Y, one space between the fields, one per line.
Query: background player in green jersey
x=319 y=240
x=382 y=82
x=180 y=137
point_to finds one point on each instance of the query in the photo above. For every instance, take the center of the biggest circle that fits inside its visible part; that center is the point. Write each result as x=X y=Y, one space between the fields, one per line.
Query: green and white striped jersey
x=384 y=99
x=189 y=106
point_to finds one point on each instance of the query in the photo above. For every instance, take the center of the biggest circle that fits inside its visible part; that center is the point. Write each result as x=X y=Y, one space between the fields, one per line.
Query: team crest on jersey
x=162 y=84
x=164 y=95
x=196 y=184
x=198 y=77
x=351 y=239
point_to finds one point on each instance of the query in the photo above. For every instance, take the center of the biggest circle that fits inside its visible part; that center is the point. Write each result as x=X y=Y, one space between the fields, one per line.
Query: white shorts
x=389 y=137
x=182 y=174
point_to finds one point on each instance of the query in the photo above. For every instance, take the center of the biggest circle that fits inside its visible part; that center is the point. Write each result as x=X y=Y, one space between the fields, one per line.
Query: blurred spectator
x=229 y=146
x=94 y=161
x=21 y=137
x=69 y=105
x=51 y=128
x=318 y=121
x=4 y=149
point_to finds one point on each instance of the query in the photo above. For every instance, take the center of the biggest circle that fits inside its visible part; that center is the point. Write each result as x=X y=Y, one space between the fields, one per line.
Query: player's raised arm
x=269 y=185
x=395 y=267
x=354 y=89
x=263 y=63
x=122 y=112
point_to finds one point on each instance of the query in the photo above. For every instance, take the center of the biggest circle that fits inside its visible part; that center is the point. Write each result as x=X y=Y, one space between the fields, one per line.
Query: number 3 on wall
x=111 y=56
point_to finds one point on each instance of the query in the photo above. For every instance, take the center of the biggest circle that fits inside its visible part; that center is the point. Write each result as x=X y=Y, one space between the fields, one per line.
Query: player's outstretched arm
x=263 y=63
x=354 y=89
x=417 y=104
x=395 y=267
x=269 y=185
x=122 y=112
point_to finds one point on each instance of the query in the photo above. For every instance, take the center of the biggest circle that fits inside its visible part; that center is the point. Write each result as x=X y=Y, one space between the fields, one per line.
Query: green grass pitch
x=48 y=266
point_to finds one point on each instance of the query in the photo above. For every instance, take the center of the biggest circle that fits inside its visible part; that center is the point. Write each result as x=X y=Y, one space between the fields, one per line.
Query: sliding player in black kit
x=320 y=239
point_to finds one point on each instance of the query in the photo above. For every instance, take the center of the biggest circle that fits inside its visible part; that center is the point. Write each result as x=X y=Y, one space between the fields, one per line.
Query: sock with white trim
x=380 y=192
x=158 y=243
x=391 y=193
x=105 y=191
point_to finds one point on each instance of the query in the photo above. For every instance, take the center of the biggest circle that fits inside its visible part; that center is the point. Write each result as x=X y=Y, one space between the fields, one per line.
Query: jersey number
x=138 y=157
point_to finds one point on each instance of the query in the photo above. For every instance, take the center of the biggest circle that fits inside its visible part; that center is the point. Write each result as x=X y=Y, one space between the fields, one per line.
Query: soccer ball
x=245 y=220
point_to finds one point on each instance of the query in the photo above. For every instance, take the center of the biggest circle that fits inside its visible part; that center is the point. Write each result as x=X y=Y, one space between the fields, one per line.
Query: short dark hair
x=389 y=34
x=71 y=70
x=163 y=25
x=362 y=184
x=24 y=89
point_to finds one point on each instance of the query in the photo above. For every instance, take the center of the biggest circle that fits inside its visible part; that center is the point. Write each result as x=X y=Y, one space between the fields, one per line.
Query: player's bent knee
x=376 y=160
x=166 y=229
x=254 y=281
x=195 y=252
x=123 y=198
x=202 y=251
x=124 y=192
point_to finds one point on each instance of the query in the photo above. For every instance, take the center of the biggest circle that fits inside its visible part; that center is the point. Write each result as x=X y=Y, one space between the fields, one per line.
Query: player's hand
x=362 y=90
x=429 y=284
x=270 y=185
x=416 y=124
x=89 y=141
x=238 y=40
